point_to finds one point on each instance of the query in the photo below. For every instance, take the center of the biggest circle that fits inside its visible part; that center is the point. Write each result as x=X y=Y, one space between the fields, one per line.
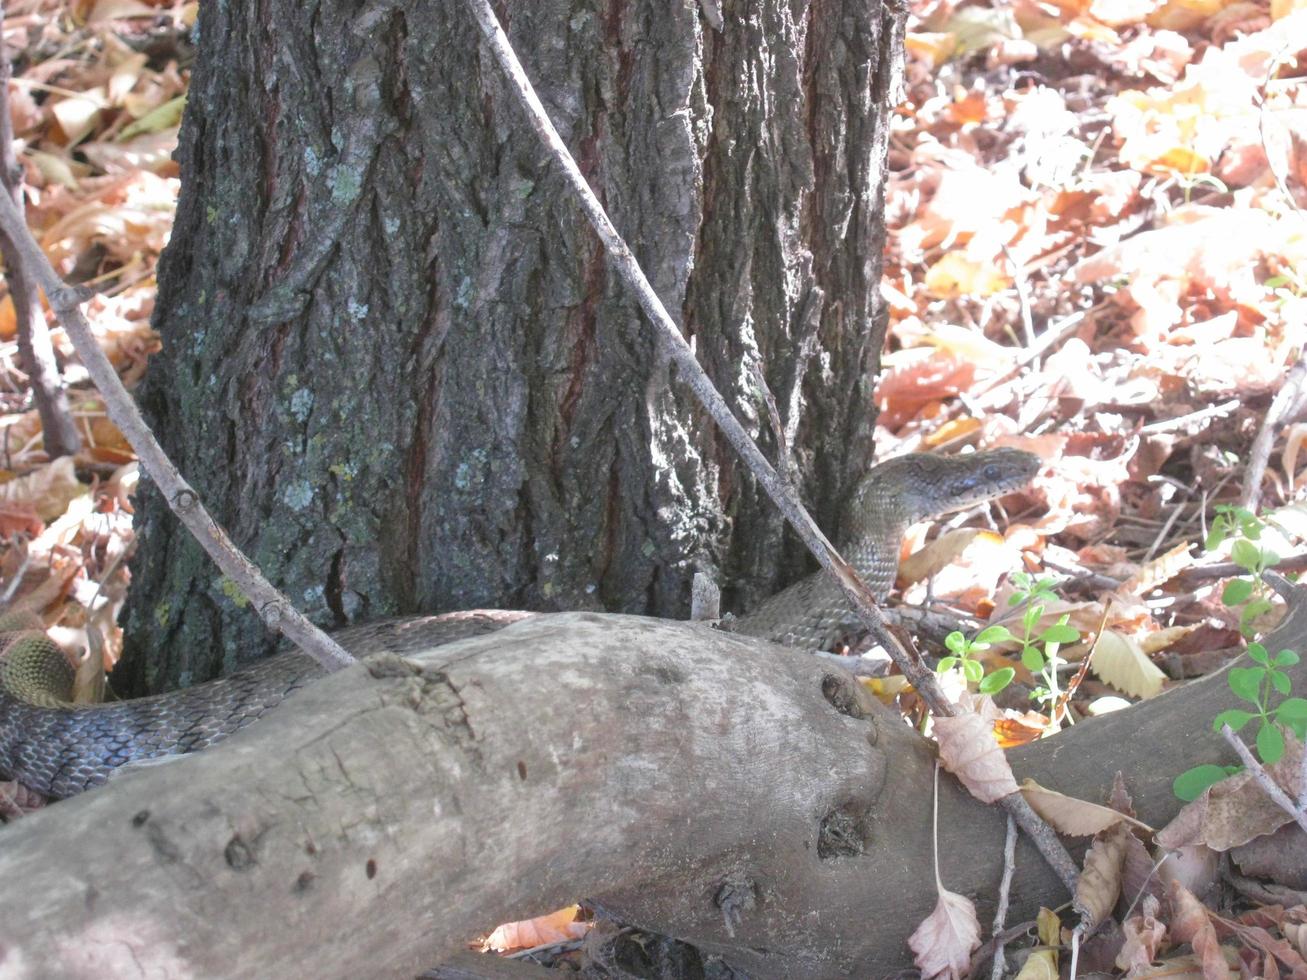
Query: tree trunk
x=750 y=799
x=395 y=363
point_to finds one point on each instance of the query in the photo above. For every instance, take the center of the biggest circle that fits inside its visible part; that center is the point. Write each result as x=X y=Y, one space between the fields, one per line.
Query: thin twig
x=275 y=609
x=1264 y=780
x=1166 y=529
x=1228 y=569
x=692 y=373
x=1004 y=890
x=1023 y=299
x=1184 y=421
x=1286 y=401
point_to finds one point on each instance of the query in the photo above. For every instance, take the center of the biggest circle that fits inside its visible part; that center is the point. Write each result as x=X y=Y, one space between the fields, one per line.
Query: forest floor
x=1098 y=252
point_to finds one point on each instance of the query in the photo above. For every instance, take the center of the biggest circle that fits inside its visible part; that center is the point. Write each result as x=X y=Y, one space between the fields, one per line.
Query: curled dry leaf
x=1191 y=923
x=1076 y=818
x=942 y=944
x=556 y=927
x=1099 y=884
x=969 y=750
x=1144 y=936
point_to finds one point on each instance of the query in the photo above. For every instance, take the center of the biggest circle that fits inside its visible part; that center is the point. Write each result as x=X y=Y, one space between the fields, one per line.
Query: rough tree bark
x=394 y=360
x=747 y=798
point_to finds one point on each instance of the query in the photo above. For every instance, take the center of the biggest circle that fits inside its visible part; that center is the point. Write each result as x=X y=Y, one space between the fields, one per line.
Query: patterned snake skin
x=59 y=749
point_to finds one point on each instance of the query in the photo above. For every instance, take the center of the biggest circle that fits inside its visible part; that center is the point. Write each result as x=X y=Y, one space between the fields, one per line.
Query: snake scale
x=58 y=748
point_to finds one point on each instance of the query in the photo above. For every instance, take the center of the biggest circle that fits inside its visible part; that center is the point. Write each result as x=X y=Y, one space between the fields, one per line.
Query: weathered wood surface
x=745 y=798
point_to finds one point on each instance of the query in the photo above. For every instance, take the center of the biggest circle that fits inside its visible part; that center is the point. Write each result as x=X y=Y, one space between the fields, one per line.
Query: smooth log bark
x=745 y=798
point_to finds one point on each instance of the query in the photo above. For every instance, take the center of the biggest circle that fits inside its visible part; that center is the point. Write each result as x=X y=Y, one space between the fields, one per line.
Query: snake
x=57 y=748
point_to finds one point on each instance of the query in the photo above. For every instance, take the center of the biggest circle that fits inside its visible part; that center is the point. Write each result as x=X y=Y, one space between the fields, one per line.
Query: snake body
x=58 y=748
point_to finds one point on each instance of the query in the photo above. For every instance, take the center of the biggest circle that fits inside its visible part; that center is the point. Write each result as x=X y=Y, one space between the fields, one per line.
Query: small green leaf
x=1257 y=607
x=1060 y=633
x=1246 y=682
x=993 y=634
x=1292 y=709
x=1247 y=555
x=1286 y=658
x=1235 y=718
x=998 y=680
x=1216 y=536
x=1270 y=744
x=946 y=664
x=1280 y=681
x=972 y=671
x=1257 y=653
x=1237 y=591
x=956 y=642
x=1189 y=785
x=1032 y=659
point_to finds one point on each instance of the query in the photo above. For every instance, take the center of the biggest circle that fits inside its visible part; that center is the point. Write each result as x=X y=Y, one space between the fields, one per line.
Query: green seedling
x=1259 y=686
x=1038 y=651
x=1248 y=591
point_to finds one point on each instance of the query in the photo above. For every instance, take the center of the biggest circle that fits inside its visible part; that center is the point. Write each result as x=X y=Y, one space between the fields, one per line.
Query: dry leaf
x=1099 y=884
x=1039 y=965
x=943 y=943
x=968 y=749
x=49 y=489
x=1073 y=817
x=1235 y=810
x=941 y=552
x=1144 y=937
x=556 y=927
x=1190 y=924
x=1020 y=728
x=1140 y=877
x=1159 y=571
x=1120 y=661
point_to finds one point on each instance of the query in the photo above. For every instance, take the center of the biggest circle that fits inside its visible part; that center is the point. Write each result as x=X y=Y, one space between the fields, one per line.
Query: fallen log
x=743 y=797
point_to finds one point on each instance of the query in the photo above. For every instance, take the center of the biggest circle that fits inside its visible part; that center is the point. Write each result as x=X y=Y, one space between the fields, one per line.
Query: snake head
x=980 y=476
x=913 y=487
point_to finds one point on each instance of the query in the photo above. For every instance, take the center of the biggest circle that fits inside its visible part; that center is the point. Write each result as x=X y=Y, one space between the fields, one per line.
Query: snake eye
x=993 y=473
